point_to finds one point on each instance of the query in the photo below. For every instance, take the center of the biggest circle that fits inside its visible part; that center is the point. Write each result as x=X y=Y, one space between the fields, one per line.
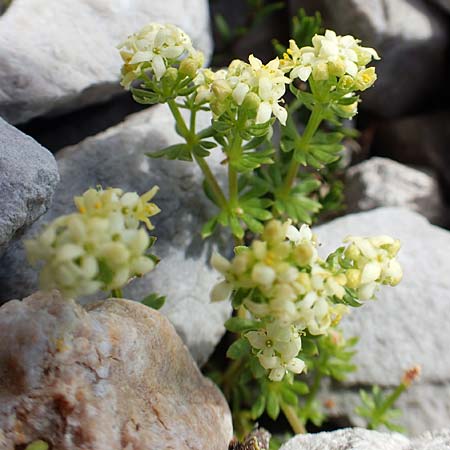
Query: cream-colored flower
x=330 y=55
x=277 y=347
x=263 y=84
x=99 y=247
x=154 y=48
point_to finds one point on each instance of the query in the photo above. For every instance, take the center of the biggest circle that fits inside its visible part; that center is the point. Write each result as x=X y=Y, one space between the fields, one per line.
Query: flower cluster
x=99 y=247
x=332 y=56
x=289 y=289
x=255 y=86
x=154 y=49
x=373 y=263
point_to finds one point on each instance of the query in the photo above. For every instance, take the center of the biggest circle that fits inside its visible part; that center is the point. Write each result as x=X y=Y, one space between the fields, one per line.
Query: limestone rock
x=117 y=158
x=358 y=439
x=411 y=37
x=406 y=326
x=28 y=178
x=58 y=55
x=113 y=377
x=383 y=182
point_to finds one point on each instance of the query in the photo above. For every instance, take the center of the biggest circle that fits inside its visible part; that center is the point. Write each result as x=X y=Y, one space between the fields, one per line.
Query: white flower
x=100 y=247
x=330 y=55
x=155 y=47
x=277 y=348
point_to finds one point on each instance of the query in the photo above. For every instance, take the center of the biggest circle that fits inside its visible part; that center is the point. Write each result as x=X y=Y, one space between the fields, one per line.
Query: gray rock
x=383 y=182
x=406 y=326
x=419 y=139
x=58 y=55
x=443 y=4
x=358 y=439
x=114 y=377
x=28 y=178
x=116 y=157
x=411 y=38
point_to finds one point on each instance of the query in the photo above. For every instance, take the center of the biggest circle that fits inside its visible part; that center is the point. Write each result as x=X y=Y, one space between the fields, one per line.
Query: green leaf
x=154 y=301
x=273 y=404
x=253 y=224
x=238 y=349
x=299 y=387
x=105 y=274
x=239 y=324
x=258 y=407
x=221 y=126
x=289 y=397
x=208 y=144
x=37 y=445
x=177 y=151
x=238 y=297
x=236 y=227
x=209 y=227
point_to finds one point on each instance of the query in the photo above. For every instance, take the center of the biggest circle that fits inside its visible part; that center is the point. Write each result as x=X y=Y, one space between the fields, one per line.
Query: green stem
x=191 y=138
x=390 y=401
x=117 y=293
x=211 y=180
x=179 y=119
x=294 y=421
x=234 y=153
x=311 y=127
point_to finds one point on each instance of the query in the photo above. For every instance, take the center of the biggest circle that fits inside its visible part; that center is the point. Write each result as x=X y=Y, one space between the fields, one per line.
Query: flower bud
x=365 y=78
x=190 y=65
x=221 y=89
x=346 y=83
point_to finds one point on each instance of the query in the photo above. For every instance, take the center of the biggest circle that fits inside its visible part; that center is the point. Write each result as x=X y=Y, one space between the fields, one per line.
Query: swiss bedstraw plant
x=288 y=300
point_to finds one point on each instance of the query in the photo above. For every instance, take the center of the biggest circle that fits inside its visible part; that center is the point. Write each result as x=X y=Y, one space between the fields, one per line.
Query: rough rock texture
x=406 y=326
x=57 y=55
x=28 y=178
x=411 y=37
x=358 y=439
x=421 y=139
x=383 y=182
x=117 y=158
x=113 y=377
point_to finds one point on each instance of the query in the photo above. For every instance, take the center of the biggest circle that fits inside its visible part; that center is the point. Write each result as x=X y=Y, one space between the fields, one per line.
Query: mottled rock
x=28 y=178
x=381 y=182
x=411 y=37
x=115 y=376
x=406 y=326
x=58 y=55
x=116 y=157
x=358 y=439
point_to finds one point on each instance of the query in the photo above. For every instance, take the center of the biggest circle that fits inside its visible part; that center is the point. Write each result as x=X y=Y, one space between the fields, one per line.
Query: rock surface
x=28 y=178
x=58 y=55
x=113 y=377
x=383 y=182
x=420 y=139
x=406 y=326
x=116 y=157
x=411 y=37
x=358 y=439
x=444 y=4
